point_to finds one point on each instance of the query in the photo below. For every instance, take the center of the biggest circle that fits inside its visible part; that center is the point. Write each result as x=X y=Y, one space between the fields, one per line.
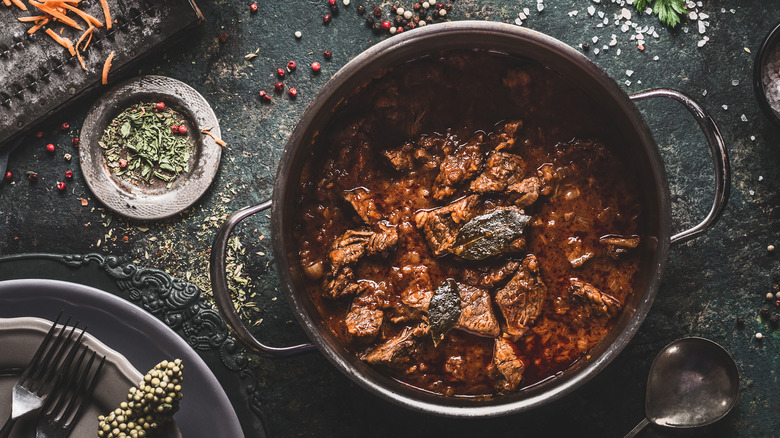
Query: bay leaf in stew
x=489 y=234
x=444 y=309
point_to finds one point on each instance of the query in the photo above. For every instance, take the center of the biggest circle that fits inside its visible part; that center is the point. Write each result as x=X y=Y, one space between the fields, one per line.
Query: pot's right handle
x=719 y=158
x=221 y=293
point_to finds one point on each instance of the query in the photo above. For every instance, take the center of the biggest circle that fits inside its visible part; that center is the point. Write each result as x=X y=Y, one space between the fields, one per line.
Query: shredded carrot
x=84 y=16
x=64 y=42
x=216 y=139
x=19 y=5
x=78 y=43
x=106 y=13
x=89 y=40
x=7 y=2
x=56 y=14
x=38 y=25
x=31 y=18
x=107 y=67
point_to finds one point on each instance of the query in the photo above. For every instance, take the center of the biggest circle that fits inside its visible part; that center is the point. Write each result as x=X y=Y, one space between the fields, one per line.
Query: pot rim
x=420 y=400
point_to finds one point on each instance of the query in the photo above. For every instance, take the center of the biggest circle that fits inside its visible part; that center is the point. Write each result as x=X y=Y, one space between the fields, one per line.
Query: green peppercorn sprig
x=149 y=406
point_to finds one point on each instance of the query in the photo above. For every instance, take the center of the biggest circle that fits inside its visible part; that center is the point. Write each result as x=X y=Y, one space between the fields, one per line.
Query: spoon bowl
x=693 y=382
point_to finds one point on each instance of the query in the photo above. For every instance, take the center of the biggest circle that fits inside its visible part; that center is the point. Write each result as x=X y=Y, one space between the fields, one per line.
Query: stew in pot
x=466 y=224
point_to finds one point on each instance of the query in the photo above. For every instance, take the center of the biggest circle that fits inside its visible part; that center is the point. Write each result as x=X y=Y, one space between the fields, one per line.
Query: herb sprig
x=140 y=145
x=668 y=11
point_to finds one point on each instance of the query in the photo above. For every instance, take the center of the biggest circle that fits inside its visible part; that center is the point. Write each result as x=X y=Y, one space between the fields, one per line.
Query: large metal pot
x=512 y=40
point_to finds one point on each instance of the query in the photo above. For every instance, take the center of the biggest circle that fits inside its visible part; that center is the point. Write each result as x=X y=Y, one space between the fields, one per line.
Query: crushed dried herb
x=141 y=138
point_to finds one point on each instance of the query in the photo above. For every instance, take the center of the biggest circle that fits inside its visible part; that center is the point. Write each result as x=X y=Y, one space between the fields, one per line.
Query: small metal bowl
x=769 y=45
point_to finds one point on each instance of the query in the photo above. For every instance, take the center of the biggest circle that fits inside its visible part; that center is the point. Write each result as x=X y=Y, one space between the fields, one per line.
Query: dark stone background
x=708 y=284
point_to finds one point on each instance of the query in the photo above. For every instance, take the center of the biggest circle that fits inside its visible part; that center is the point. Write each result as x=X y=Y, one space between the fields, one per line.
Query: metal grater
x=38 y=77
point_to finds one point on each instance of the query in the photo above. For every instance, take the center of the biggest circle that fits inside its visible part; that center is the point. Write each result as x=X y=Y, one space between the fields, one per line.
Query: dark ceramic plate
x=138 y=336
x=768 y=46
x=146 y=202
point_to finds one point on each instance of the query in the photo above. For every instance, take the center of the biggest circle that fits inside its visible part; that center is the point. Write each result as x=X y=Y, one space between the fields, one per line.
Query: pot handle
x=221 y=293
x=720 y=158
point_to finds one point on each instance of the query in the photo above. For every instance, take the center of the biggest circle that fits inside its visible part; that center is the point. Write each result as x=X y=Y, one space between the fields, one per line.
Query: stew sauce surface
x=420 y=152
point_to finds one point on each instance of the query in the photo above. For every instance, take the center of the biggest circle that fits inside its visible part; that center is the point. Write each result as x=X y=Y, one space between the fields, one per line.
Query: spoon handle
x=638 y=428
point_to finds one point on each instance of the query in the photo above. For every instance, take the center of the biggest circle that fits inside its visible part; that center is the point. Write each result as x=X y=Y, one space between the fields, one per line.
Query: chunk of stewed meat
x=598 y=303
x=398 y=351
x=617 y=246
x=364 y=319
x=363 y=204
x=502 y=170
x=402 y=158
x=526 y=192
x=459 y=167
x=354 y=244
x=415 y=298
x=441 y=225
x=340 y=284
x=521 y=299
x=476 y=312
x=508 y=365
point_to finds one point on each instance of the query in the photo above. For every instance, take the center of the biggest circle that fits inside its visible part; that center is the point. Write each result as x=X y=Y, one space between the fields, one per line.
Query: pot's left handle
x=221 y=293
x=720 y=158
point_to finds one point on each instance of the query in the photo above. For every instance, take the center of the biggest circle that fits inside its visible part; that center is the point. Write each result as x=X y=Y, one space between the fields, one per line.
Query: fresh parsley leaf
x=668 y=11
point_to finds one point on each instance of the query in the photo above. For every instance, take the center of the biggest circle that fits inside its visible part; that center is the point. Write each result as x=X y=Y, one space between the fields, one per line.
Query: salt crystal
x=699 y=4
x=601 y=14
x=298 y=34
x=656 y=58
x=596 y=1
x=760 y=178
x=625 y=13
x=703 y=16
x=591 y=10
x=752 y=192
x=753 y=138
x=743 y=118
x=702 y=29
x=523 y=16
x=613 y=43
x=628 y=83
x=725 y=107
x=685 y=29
x=618 y=51
x=701 y=43
x=693 y=15
x=624 y=28
x=605 y=47
x=526 y=11
x=606 y=21
x=573 y=13
x=540 y=7
x=518 y=22
x=704 y=93
x=595 y=51
x=595 y=39
x=629 y=72
x=735 y=82
x=733 y=11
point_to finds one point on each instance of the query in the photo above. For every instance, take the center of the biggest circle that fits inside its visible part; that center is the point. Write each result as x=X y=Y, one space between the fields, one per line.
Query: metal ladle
x=693 y=382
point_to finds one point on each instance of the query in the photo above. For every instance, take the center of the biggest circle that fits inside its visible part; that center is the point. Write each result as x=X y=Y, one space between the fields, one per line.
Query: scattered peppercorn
x=280 y=72
x=759 y=336
x=394 y=9
x=60 y=185
x=159 y=106
x=9 y=176
x=370 y=22
x=223 y=37
x=298 y=34
x=770 y=248
x=585 y=46
x=75 y=142
x=774 y=319
x=69 y=174
x=279 y=87
x=764 y=312
x=334 y=9
x=182 y=130
x=50 y=147
x=122 y=163
x=327 y=54
x=326 y=18
x=175 y=129
x=740 y=321
x=39 y=134
x=65 y=126
x=291 y=65
x=361 y=9
x=265 y=96
x=439 y=5
x=331 y=2
x=386 y=25
x=315 y=67
x=293 y=93
x=253 y=8
x=377 y=27
x=377 y=12
x=32 y=176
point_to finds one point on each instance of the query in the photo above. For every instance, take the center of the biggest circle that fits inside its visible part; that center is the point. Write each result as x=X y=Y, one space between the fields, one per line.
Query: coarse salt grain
x=298 y=34
x=743 y=118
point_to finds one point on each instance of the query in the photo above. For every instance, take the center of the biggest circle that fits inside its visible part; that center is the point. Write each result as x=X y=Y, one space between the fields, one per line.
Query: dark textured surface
x=708 y=284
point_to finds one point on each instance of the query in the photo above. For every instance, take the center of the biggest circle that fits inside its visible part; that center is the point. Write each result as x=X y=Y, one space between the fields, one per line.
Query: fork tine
x=66 y=376
x=66 y=346
x=84 y=391
x=40 y=370
x=41 y=349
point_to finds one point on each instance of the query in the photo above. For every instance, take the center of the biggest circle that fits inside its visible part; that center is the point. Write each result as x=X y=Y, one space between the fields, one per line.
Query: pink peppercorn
x=253 y=8
x=159 y=106
x=327 y=54
x=39 y=134
x=9 y=176
x=264 y=96
x=386 y=25
x=280 y=72
x=279 y=87
x=50 y=147
x=75 y=142
x=326 y=18
x=291 y=65
x=175 y=129
x=69 y=174
x=315 y=66
x=60 y=186
x=182 y=129
x=293 y=93
x=65 y=126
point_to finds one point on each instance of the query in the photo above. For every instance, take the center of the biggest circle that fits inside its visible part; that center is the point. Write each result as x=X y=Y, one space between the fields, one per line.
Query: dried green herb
x=444 y=310
x=489 y=234
x=140 y=145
